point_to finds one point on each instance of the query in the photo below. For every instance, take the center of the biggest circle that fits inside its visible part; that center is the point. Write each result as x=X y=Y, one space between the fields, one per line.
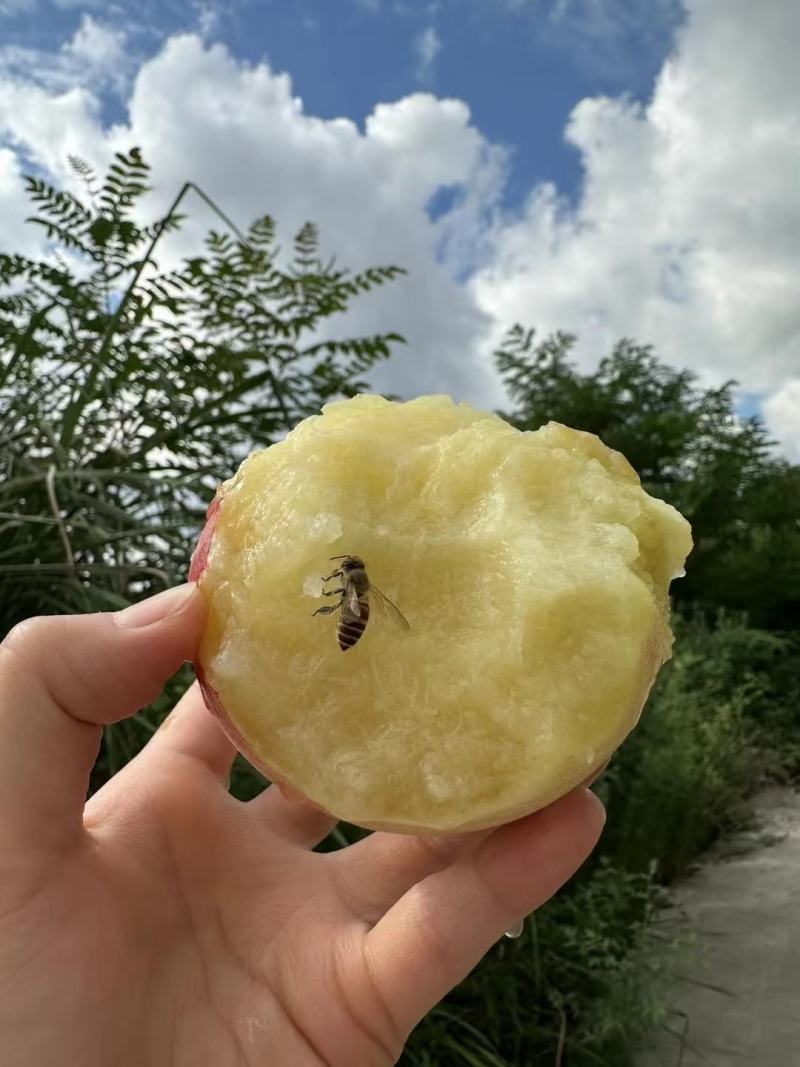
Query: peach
x=532 y=569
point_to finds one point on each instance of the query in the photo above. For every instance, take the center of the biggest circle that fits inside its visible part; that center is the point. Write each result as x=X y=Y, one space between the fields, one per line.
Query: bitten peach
x=533 y=571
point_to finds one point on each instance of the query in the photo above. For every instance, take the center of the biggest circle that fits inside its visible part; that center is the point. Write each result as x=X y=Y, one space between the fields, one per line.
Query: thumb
x=61 y=679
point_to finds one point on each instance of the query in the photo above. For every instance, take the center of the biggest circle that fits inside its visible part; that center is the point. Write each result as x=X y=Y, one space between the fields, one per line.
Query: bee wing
x=388 y=608
x=351 y=602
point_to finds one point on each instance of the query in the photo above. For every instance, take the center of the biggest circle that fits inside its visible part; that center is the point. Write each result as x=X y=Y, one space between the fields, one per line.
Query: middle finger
x=375 y=872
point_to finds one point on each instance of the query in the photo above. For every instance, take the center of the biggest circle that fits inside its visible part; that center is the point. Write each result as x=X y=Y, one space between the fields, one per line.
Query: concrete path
x=742 y=909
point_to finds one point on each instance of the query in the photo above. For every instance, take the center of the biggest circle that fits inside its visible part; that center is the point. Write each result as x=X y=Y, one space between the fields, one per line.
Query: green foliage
x=691 y=449
x=128 y=393
x=685 y=775
x=721 y=721
x=579 y=987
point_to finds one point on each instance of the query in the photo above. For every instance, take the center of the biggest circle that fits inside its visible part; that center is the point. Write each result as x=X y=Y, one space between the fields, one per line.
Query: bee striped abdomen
x=351 y=627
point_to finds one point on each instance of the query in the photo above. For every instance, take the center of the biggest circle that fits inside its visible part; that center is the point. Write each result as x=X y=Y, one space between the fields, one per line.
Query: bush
x=127 y=392
x=691 y=448
x=579 y=987
x=685 y=774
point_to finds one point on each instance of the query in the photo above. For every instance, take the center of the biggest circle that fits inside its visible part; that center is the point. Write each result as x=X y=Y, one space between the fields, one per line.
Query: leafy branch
x=127 y=392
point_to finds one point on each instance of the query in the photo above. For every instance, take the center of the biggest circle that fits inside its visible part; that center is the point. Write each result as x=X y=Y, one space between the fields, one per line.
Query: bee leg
x=336 y=574
x=333 y=592
x=326 y=610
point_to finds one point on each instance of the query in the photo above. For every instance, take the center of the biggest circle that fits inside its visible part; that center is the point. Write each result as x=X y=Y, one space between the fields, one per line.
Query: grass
x=718 y=723
x=579 y=987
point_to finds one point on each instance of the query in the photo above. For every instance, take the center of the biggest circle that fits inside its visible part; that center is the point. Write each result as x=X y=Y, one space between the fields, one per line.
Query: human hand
x=165 y=923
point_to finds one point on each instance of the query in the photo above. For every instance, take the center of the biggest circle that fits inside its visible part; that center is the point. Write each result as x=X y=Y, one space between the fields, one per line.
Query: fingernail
x=156 y=608
x=599 y=807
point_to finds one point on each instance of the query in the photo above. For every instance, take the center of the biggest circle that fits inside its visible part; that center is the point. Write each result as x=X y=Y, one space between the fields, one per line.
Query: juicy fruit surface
x=533 y=570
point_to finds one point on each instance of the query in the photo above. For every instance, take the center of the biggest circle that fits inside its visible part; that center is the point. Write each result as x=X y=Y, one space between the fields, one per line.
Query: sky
x=612 y=168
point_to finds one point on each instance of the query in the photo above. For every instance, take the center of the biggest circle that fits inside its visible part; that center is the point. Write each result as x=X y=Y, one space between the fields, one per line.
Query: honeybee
x=354 y=593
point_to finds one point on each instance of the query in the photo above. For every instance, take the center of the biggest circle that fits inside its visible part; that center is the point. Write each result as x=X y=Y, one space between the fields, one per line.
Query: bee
x=354 y=593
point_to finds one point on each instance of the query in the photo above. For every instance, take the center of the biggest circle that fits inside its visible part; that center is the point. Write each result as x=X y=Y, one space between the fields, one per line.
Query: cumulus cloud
x=99 y=48
x=16 y=235
x=685 y=231
x=683 y=234
x=241 y=133
x=95 y=57
x=782 y=415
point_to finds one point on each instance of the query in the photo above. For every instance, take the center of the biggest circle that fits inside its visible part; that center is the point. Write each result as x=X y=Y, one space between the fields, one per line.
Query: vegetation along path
x=739 y=990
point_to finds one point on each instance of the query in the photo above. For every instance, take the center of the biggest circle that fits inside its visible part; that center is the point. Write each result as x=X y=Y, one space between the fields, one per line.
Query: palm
x=174 y=925
x=220 y=940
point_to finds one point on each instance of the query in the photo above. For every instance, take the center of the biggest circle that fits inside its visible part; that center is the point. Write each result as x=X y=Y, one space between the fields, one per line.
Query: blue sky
x=612 y=168
x=520 y=77
x=520 y=66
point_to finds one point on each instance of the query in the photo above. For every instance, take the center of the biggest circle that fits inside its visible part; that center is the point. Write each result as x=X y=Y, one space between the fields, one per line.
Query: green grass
x=718 y=723
x=579 y=987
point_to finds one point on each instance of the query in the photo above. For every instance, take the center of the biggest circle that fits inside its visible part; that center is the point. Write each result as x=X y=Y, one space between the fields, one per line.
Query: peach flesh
x=601 y=589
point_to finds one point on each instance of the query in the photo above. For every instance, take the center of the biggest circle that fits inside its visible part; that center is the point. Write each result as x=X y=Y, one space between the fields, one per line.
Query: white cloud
x=99 y=47
x=95 y=57
x=238 y=130
x=782 y=416
x=686 y=230
x=684 y=233
x=17 y=236
x=48 y=126
x=427 y=46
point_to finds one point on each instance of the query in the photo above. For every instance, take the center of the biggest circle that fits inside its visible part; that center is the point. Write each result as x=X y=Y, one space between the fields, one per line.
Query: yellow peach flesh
x=533 y=570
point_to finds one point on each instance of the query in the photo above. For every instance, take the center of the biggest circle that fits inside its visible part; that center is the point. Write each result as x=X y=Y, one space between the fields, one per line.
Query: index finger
x=61 y=679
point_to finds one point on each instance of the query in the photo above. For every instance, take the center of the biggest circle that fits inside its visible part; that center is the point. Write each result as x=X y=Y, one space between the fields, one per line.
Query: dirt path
x=743 y=911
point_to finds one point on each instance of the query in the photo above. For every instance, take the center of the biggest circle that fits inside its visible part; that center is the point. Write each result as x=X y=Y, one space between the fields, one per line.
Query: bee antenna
x=340 y=557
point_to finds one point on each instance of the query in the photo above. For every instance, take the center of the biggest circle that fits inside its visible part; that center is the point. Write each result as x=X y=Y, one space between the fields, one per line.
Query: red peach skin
x=211 y=697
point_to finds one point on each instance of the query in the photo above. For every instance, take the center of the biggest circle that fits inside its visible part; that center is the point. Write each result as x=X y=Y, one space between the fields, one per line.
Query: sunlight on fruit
x=533 y=571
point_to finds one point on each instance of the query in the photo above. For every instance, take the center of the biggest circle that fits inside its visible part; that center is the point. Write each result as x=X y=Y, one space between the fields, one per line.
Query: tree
x=690 y=448
x=128 y=392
